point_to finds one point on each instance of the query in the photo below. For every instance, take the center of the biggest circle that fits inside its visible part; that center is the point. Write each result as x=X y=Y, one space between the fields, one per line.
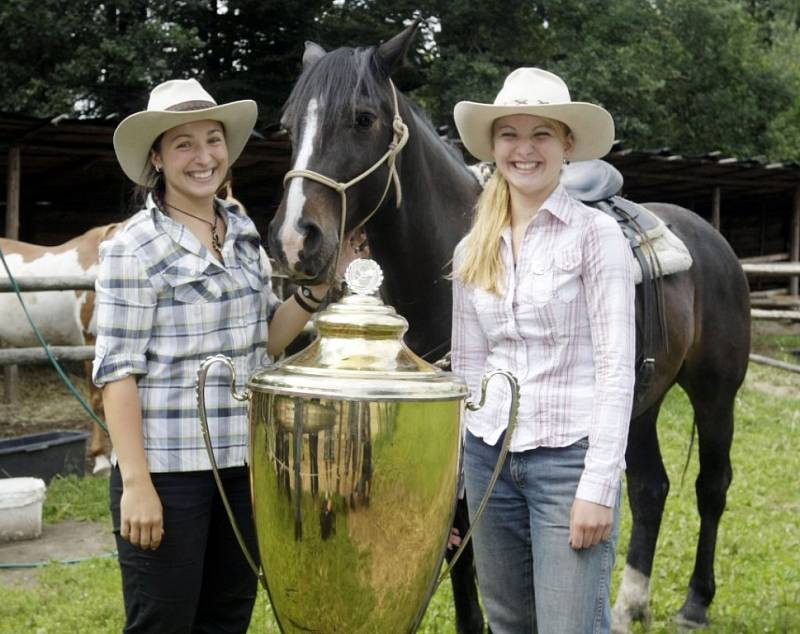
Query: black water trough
x=44 y=455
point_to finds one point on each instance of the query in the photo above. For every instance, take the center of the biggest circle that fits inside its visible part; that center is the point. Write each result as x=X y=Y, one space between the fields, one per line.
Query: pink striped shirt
x=565 y=327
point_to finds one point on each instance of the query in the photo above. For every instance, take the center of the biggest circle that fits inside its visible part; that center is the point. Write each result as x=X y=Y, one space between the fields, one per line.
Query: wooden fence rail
x=25 y=356
x=13 y=356
x=776 y=269
x=69 y=283
x=55 y=283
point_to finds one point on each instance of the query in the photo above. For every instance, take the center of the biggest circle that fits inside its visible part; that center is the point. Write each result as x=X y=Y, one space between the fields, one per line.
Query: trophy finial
x=363 y=277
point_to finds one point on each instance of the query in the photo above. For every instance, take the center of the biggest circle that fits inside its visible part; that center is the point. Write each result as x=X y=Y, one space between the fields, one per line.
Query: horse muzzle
x=303 y=253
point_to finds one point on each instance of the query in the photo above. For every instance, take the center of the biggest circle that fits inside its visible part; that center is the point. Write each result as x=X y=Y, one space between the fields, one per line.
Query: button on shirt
x=164 y=304
x=564 y=325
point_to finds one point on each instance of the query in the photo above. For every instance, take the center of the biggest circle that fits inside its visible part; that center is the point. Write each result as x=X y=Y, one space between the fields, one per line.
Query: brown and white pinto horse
x=63 y=317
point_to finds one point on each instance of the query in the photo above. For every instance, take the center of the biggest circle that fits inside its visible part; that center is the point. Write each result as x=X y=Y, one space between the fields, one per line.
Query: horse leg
x=97 y=445
x=713 y=409
x=469 y=617
x=648 y=486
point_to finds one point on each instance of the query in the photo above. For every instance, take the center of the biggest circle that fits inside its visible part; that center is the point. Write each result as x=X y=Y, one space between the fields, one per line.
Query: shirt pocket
x=251 y=267
x=536 y=283
x=489 y=310
x=187 y=280
x=567 y=274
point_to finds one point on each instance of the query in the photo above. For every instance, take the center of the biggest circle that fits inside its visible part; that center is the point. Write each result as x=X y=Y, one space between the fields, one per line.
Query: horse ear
x=392 y=52
x=312 y=53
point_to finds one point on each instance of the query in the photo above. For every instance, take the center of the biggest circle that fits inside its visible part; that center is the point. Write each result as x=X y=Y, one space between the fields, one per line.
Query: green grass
x=758 y=549
x=758 y=552
x=776 y=340
x=75 y=498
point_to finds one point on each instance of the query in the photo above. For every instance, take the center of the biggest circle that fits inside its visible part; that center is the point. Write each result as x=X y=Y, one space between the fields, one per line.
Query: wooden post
x=11 y=373
x=715 y=209
x=12 y=194
x=794 y=239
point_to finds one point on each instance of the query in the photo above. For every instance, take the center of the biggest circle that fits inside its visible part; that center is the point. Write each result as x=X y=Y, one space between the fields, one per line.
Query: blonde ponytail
x=482 y=265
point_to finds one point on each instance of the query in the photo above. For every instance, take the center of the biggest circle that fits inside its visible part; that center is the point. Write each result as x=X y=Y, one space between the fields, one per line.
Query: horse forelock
x=340 y=80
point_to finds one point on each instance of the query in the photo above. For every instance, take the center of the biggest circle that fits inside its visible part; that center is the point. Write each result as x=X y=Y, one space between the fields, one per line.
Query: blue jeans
x=530 y=579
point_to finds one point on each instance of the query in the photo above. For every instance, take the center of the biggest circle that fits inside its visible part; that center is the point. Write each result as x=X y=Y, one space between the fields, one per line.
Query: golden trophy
x=355 y=449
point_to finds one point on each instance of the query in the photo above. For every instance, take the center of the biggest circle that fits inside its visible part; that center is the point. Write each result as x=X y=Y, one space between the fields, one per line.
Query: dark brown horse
x=340 y=115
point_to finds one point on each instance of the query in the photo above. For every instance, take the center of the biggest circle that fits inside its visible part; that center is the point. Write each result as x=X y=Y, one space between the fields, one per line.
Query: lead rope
x=513 y=415
x=399 y=140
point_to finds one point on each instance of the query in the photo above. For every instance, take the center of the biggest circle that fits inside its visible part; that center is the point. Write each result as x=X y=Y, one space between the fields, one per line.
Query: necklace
x=215 y=241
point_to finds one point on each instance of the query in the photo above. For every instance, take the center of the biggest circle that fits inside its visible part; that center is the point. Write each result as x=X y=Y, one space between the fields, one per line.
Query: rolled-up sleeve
x=610 y=295
x=125 y=308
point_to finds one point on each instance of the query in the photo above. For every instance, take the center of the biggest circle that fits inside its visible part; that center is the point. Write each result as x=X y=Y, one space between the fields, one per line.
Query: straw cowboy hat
x=171 y=104
x=537 y=92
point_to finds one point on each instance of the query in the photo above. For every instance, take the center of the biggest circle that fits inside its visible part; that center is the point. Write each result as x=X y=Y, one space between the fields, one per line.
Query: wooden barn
x=62 y=178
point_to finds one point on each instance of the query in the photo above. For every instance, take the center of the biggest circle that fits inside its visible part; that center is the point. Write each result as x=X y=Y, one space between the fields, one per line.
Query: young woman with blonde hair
x=543 y=287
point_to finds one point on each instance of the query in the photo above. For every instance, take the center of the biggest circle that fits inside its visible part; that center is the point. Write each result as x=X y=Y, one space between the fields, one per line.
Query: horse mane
x=339 y=80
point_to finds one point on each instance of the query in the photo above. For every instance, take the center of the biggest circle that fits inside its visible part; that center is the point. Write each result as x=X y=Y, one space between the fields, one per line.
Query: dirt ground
x=66 y=541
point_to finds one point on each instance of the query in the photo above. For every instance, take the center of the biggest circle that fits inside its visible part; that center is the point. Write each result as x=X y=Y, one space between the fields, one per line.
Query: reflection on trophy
x=355 y=445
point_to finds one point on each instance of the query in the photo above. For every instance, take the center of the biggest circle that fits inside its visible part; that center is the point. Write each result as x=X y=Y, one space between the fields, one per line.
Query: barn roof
x=63 y=150
x=664 y=174
x=69 y=164
x=74 y=151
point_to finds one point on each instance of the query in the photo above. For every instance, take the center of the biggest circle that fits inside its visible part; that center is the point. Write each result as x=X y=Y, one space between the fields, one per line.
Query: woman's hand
x=454 y=541
x=589 y=523
x=141 y=515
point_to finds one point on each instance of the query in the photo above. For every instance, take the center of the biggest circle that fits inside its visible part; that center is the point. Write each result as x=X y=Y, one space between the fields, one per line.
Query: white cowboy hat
x=537 y=92
x=171 y=104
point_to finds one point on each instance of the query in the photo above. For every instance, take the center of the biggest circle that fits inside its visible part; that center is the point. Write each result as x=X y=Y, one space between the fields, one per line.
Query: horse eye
x=364 y=120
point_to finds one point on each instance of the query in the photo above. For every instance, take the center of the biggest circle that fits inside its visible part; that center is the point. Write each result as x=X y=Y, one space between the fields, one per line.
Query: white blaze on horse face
x=57 y=314
x=290 y=236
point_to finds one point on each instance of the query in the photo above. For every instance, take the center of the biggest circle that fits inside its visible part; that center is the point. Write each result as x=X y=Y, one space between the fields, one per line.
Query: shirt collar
x=231 y=213
x=559 y=204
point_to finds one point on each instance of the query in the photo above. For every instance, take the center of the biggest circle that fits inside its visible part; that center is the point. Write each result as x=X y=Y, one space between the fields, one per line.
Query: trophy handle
x=513 y=411
x=202 y=373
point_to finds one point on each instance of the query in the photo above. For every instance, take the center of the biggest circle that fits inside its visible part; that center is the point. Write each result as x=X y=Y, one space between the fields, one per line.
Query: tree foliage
x=695 y=76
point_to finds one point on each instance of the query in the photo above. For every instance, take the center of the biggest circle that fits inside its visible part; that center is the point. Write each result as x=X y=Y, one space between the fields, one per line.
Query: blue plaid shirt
x=164 y=304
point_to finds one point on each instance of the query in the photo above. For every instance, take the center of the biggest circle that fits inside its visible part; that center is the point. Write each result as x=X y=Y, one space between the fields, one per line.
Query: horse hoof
x=102 y=466
x=691 y=617
x=632 y=604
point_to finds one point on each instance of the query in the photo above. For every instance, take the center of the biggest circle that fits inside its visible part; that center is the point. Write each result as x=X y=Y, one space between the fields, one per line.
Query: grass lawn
x=758 y=552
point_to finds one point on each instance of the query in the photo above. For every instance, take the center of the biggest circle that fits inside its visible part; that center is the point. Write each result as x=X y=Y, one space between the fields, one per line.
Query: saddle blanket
x=669 y=250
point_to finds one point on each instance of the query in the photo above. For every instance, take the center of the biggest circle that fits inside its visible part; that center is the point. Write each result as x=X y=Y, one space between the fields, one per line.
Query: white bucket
x=21 y=508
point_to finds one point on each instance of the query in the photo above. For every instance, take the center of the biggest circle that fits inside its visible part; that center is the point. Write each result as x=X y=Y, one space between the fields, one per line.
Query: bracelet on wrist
x=298 y=297
x=309 y=295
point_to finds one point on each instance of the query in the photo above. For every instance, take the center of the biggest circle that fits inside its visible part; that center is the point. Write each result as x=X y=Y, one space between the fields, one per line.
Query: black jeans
x=198 y=579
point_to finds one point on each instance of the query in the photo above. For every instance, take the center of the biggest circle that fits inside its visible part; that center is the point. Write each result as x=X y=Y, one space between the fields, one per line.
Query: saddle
x=597 y=183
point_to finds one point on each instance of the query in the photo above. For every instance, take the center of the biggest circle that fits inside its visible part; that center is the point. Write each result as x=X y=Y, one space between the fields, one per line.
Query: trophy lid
x=359 y=353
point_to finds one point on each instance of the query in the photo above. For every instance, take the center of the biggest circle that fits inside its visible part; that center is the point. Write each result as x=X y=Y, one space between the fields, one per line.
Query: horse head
x=343 y=119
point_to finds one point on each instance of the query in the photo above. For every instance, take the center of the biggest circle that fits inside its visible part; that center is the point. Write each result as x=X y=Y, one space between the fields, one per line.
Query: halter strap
x=399 y=139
